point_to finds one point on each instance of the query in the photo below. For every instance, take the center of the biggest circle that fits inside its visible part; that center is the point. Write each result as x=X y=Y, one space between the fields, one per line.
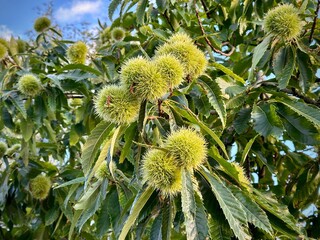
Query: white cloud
x=5 y=32
x=78 y=10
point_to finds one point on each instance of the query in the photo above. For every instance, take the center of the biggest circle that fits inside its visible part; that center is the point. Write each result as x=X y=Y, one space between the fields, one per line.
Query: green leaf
x=306 y=74
x=112 y=7
x=241 y=122
x=310 y=113
x=71 y=182
x=138 y=204
x=101 y=160
x=162 y=5
x=254 y=213
x=93 y=143
x=93 y=203
x=76 y=75
x=26 y=129
x=74 y=221
x=278 y=210
x=247 y=149
x=307 y=185
x=236 y=101
x=128 y=140
x=214 y=94
x=81 y=67
x=52 y=215
x=283 y=65
x=227 y=167
x=218 y=230
x=297 y=128
x=167 y=210
x=229 y=72
x=117 y=133
x=88 y=196
x=201 y=218
x=189 y=206
x=266 y=121
x=230 y=206
x=258 y=54
x=51 y=132
x=19 y=104
x=141 y=7
x=156 y=233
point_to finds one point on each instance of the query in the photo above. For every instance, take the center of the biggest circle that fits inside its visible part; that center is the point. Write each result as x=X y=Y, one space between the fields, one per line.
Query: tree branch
x=295 y=93
x=208 y=41
x=165 y=14
x=314 y=21
x=205 y=8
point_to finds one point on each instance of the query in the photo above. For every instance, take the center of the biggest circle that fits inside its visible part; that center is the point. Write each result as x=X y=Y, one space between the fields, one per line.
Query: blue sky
x=17 y=16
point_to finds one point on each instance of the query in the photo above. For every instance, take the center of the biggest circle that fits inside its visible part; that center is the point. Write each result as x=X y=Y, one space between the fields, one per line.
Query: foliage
x=247 y=166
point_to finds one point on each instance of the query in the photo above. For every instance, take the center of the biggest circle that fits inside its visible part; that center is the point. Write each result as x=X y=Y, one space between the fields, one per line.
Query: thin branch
x=295 y=93
x=207 y=40
x=314 y=21
x=165 y=14
x=205 y=8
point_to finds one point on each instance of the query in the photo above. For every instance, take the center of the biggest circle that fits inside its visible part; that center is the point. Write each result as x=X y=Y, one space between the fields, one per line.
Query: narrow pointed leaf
x=266 y=121
x=19 y=104
x=283 y=65
x=306 y=76
x=91 y=147
x=254 y=213
x=141 y=7
x=229 y=72
x=278 y=210
x=258 y=54
x=230 y=206
x=156 y=233
x=134 y=212
x=214 y=94
x=166 y=220
x=241 y=122
x=310 y=113
x=112 y=8
x=247 y=149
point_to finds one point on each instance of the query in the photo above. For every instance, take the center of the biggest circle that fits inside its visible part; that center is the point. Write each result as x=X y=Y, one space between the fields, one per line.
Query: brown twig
x=205 y=8
x=295 y=93
x=314 y=21
x=208 y=41
x=165 y=14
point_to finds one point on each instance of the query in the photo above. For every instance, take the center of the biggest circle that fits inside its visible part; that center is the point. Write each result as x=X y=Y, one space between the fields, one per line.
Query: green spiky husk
x=143 y=79
x=41 y=24
x=4 y=42
x=160 y=171
x=170 y=69
x=29 y=85
x=40 y=187
x=116 y=104
x=118 y=34
x=105 y=35
x=3 y=51
x=102 y=172
x=192 y=59
x=21 y=46
x=188 y=147
x=77 y=53
x=180 y=37
x=283 y=22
